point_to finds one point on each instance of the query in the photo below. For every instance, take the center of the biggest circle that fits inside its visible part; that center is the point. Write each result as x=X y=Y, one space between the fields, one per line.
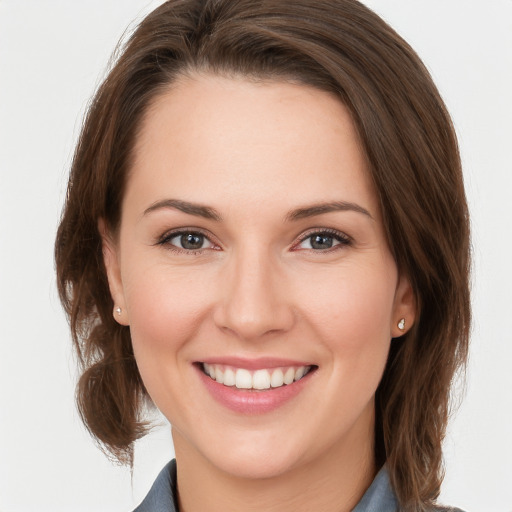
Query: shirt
x=379 y=497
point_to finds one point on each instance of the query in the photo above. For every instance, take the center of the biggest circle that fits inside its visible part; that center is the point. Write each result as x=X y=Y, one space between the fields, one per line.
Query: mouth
x=255 y=386
x=261 y=379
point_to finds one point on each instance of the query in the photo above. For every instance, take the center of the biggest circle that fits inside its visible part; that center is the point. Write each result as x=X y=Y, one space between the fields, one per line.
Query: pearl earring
x=401 y=324
x=118 y=310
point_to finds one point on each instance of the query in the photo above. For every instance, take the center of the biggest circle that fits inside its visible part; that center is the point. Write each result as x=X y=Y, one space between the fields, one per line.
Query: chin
x=242 y=454
x=257 y=465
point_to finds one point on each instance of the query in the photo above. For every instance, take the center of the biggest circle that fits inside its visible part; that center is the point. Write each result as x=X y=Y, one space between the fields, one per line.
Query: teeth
x=277 y=379
x=229 y=377
x=243 y=379
x=299 y=373
x=289 y=376
x=209 y=370
x=259 y=379
x=219 y=375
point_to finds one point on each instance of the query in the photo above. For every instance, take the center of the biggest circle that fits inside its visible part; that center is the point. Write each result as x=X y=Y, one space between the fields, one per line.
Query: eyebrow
x=191 y=208
x=321 y=208
x=210 y=213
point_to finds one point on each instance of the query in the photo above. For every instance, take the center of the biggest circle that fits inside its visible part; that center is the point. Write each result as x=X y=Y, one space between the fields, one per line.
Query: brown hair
x=338 y=46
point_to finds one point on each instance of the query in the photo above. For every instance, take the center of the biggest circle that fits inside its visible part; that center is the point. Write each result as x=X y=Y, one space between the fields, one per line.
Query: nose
x=253 y=300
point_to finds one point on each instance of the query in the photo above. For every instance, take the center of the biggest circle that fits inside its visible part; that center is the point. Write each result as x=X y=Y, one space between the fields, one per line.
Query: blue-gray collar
x=379 y=497
x=163 y=497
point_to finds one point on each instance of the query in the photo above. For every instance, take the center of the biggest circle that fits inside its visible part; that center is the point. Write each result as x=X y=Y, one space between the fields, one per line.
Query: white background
x=53 y=54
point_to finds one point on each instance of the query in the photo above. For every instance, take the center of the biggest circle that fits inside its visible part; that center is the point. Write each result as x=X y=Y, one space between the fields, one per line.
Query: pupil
x=191 y=241
x=321 y=242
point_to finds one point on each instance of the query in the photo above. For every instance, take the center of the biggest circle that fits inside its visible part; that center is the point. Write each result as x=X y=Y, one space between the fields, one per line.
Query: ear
x=115 y=283
x=404 y=308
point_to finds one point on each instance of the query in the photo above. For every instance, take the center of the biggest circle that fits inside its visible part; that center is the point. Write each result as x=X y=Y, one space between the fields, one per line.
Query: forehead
x=211 y=138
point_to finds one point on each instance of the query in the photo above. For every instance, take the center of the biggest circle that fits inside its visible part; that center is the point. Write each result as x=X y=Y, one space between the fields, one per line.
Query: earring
x=118 y=310
x=401 y=324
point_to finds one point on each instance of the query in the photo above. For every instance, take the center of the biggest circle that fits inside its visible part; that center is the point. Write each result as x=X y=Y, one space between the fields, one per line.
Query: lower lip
x=246 y=401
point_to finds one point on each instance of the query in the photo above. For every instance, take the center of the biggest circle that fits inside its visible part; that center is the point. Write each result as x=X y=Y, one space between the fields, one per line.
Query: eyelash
x=167 y=237
x=344 y=240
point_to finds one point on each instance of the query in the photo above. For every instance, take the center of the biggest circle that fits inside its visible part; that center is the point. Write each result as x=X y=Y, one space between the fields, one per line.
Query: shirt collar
x=380 y=496
x=163 y=497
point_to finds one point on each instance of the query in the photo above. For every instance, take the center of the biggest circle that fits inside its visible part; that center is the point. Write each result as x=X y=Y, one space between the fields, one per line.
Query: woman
x=266 y=236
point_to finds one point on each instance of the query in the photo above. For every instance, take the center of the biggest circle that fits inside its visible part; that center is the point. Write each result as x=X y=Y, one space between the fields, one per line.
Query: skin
x=254 y=152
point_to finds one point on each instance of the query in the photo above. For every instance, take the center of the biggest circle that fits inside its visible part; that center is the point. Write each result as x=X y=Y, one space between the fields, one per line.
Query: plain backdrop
x=53 y=53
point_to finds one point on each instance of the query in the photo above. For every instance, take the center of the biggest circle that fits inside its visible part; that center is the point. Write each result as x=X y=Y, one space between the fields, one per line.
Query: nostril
x=248 y=322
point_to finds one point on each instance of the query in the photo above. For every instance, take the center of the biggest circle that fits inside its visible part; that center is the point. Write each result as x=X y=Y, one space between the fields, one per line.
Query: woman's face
x=251 y=246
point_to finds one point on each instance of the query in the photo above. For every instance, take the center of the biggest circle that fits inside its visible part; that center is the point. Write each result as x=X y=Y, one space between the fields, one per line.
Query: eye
x=187 y=241
x=323 y=240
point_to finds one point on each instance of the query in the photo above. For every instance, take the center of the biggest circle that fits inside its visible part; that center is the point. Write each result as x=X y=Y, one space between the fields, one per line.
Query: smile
x=261 y=379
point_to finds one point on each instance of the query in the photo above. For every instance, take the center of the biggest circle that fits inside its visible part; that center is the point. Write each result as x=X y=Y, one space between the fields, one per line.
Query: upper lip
x=259 y=363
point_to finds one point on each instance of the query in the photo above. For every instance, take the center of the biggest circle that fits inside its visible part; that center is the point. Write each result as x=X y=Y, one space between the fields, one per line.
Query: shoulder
x=162 y=495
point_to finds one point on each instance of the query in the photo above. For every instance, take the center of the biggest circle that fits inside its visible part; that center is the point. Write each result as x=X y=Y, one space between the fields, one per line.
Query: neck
x=334 y=482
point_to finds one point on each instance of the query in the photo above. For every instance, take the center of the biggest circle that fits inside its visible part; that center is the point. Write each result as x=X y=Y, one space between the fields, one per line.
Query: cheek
x=165 y=311
x=355 y=306
x=351 y=319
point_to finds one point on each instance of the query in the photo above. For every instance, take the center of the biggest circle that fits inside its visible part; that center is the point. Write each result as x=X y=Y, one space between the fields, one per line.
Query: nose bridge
x=254 y=303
